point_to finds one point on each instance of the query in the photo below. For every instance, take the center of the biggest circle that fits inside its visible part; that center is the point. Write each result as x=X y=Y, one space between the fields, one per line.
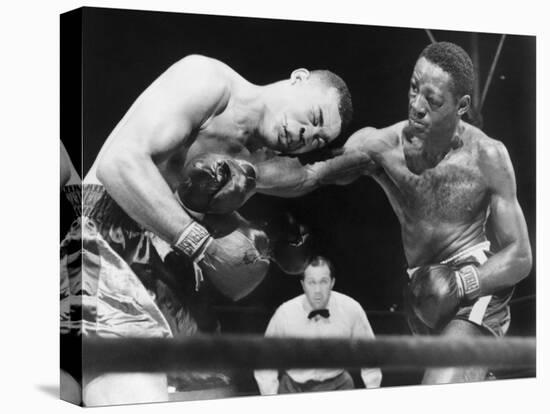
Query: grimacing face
x=317 y=285
x=307 y=118
x=433 y=108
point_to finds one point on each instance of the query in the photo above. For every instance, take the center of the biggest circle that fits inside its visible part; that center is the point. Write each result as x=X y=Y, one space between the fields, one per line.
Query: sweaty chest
x=454 y=190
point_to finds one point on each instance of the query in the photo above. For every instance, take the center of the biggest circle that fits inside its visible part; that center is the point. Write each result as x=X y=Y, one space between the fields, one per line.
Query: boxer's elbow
x=524 y=261
x=520 y=260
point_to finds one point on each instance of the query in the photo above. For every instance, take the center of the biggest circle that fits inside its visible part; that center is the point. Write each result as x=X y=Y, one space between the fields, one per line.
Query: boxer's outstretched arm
x=288 y=177
x=513 y=262
x=161 y=121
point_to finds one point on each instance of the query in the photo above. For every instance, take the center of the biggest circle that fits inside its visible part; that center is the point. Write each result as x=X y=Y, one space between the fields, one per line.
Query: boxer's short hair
x=345 y=106
x=456 y=62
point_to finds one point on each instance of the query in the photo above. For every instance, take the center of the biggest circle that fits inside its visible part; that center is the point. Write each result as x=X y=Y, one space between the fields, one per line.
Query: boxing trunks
x=491 y=312
x=70 y=268
x=125 y=290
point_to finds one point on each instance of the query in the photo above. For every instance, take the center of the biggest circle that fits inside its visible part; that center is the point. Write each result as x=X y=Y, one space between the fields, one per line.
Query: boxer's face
x=305 y=119
x=317 y=285
x=433 y=108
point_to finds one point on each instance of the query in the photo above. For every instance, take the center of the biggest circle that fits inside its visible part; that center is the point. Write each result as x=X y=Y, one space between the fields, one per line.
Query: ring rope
x=204 y=352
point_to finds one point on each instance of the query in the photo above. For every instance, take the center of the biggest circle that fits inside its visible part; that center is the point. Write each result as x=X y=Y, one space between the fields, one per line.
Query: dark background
x=124 y=51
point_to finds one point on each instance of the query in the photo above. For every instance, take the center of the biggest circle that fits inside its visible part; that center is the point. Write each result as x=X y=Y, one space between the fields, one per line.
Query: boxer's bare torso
x=442 y=210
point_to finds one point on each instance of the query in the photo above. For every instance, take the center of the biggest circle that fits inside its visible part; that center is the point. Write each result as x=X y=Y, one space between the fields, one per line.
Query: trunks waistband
x=471 y=252
x=98 y=205
x=73 y=193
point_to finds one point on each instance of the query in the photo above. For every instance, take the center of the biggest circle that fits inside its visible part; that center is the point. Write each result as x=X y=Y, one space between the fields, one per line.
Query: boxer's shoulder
x=490 y=152
x=211 y=77
x=201 y=64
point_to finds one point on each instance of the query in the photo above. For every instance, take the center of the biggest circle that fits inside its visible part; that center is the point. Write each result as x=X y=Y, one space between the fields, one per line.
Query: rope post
x=491 y=71
x=430 y=35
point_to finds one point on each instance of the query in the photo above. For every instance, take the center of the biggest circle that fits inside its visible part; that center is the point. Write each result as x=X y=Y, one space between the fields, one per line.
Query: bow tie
x=321 y=312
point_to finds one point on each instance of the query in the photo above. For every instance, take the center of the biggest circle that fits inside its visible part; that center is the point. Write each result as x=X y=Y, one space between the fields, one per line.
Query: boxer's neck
x=427 y=152
x=246 y=107
x=438 y=145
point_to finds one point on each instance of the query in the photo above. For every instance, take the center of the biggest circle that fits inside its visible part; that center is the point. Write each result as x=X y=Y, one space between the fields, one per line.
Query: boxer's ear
x=299 y=75
x=464 y=105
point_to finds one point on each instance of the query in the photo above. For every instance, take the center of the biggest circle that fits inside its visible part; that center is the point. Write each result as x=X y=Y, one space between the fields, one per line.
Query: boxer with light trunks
x=197 y=130
x=70 y=276
x=444 y=178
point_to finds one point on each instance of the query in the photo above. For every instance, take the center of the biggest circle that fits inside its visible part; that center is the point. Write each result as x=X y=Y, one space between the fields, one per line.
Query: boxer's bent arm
x=160 y=123
x=135 y=183
x=288 y=177
x=513 y=262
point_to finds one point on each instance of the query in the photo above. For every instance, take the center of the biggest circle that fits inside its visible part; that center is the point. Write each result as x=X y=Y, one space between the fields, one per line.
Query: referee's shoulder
x=290 y=304
x=348 y=301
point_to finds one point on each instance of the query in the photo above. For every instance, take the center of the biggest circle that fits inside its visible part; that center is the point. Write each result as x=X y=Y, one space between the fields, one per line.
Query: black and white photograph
x=354 y=193
x=274 y=209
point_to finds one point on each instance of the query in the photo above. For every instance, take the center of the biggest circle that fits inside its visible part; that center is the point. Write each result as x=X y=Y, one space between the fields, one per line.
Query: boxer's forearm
x=285 y=177
x=288 y=177
x=135 y=183
x=506 y=268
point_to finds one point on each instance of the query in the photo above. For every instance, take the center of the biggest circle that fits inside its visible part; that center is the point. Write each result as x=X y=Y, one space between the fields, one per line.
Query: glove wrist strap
x=192 y=238
x=469 y=277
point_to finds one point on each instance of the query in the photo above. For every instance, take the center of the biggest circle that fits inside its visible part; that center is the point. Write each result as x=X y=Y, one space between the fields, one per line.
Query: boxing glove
x=226 y=250
x=437 y=291
x=291 y=243
x=236 y=263
x=217 y=184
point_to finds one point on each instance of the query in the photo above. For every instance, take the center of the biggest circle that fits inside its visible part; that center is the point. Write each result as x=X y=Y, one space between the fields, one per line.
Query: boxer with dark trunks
x=444 y=178
x=199 y=126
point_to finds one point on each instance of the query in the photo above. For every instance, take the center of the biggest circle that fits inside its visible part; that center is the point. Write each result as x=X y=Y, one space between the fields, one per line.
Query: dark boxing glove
x=215 y=183
x=437 y=291
x=291 y=244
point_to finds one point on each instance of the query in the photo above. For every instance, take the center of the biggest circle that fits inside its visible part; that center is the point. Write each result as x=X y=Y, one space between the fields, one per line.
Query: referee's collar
x=306 y=306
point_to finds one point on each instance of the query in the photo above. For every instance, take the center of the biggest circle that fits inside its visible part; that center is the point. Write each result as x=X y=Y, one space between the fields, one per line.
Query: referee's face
x=317 y=285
